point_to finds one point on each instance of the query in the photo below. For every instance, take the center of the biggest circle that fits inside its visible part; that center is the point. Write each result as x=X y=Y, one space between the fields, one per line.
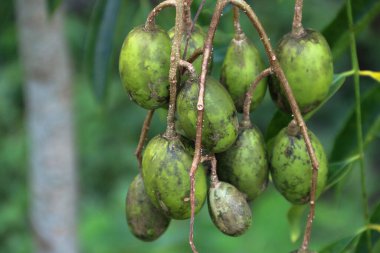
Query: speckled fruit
x=245 y=163
x=308 y=66
x=229 y=209
x=165 y=170
x=196 y=41
x=291 y=168
x=145 y=221
x=220 y=122
x=241 y=66
x=144 y=66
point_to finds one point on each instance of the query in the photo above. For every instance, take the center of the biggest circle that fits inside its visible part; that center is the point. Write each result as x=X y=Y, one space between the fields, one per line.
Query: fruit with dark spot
x=144 y=66
x=308 y=66
x=145 y=221
x=241 y=65
x=291 y=169
x=220 y=122
x=165 y=169
x=245 y=163
x=229 y=209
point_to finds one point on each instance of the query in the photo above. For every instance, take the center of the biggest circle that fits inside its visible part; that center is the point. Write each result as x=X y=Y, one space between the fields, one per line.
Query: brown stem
x=297 y=28
x=144 y=132
x=239 y=35
x=197 y=52
x=214 y=176
x=190 y=68
x=174 y=63
x=150 y=21
x=249 y=94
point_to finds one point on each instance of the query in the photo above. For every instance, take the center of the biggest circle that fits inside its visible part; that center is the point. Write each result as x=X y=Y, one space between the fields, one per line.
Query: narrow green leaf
x=375 y=218
x=295 y=214
x=341 y=246
x=104 y=48
x=337 y=32
x=344 y=145
x=281 y=120
x=52 y=5
x=338 y=170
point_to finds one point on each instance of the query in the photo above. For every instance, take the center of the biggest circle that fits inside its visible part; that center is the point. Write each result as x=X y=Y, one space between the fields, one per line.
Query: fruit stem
x=277 y=70
x=359 y=131
x=150 y=21
x=239 y=34
x=190 y=68
x=144 y=132
x=248 y=95
x=297 y=28
x=214 y=176
x=197 y=52
x=174 y=64
x=293 y=129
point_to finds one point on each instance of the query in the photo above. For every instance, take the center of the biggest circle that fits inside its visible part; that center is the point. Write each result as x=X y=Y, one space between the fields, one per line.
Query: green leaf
x=104 y=48
x=52 y=6
x=337 y=32
x=281 y=120
x=375 y=218
x=341 y=246
x=295 y=214
x=338 y=170
x=345 y=144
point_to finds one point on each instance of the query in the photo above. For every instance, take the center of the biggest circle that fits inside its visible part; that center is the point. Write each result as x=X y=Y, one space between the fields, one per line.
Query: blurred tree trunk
x=47 y=90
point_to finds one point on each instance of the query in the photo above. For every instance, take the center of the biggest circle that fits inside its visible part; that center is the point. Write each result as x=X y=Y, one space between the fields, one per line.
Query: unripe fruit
x=220 y=122
x=240 y=68
x=308 y=66
x=144 y=66
x=245 y=163
x=228 y=209
x=145 y=221
x=291 y=168
x=165 y=170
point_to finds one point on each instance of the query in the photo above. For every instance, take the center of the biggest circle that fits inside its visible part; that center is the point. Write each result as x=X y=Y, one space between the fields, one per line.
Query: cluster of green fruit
x=162 y=191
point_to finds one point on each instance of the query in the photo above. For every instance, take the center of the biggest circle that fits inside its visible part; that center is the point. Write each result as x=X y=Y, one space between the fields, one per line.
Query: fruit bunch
x=235 y=159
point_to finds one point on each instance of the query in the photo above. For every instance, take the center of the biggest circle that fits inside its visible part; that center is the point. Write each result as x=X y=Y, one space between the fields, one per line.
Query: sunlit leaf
x=337 y=32
x=373 y=74
x=295 y=214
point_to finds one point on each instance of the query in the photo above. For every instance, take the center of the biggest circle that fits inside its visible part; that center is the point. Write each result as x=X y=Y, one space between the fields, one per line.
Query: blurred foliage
x=107 y=133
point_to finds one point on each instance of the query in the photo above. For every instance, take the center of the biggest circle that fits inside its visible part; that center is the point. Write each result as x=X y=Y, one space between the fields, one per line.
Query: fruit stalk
x=189 y=68
x=174 y=63
x=276 y=68
x=297 y=28
x=150 y=21
x=237 y=26
x=248 y=95
x=144 y=132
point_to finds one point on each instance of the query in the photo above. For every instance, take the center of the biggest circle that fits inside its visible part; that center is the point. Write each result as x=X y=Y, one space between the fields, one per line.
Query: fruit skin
x=220 y=122
x=165 y=170
x=228 y=209
x=144 y=66
x=240 y=68
x=145 y=221
x=245 y=163
x=308 y=66
x=291 y=169
x=197 y=40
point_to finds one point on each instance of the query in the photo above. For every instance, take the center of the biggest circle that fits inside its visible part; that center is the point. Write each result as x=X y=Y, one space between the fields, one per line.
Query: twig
x=150 y=21
x=277 y=70
x=144 y=132
x=197 y=52
x=297 y=28
x=174 y=63
x=214 y=175
x=188 y=66
x=249 y=94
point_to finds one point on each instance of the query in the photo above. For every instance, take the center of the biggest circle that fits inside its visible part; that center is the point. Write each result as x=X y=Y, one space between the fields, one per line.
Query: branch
x=144 y=132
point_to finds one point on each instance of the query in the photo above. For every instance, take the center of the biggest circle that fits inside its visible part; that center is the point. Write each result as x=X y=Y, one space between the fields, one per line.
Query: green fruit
x=241 y=65
x=144 y=66
x=145 y=221
x=308 y=66
x=228 y=209
x=197 y=40
x=291 y=168
x=220 y=122
x=165 y=170
x=245 y=163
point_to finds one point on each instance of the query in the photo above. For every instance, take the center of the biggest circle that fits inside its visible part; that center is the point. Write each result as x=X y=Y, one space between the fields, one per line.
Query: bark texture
x=47 y=88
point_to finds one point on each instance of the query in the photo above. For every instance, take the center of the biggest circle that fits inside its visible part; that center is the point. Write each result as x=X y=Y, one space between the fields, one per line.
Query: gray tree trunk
x=47 y=89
